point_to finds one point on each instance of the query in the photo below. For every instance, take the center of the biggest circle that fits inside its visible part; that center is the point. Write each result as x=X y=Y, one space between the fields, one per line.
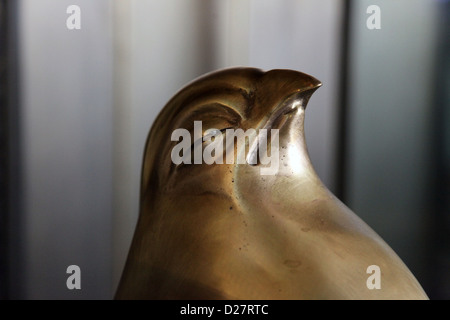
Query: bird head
x=229 y=100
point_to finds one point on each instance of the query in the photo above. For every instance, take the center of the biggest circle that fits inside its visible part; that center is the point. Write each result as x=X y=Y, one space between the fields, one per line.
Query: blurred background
x=76 y=107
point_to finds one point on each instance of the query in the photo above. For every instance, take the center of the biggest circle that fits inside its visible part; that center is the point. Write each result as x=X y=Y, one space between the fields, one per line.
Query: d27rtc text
x=241 y=309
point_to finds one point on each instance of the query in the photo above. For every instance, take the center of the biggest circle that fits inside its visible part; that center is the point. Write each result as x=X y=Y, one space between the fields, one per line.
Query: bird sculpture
x=265 y=227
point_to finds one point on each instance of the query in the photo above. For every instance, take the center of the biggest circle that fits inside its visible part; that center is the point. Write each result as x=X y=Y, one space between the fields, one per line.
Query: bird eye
x=203 y=141
x=212 y=133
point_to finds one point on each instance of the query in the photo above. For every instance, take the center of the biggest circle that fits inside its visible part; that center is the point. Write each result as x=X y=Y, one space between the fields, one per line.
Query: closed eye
x=198 y=143
x=208 y=134
x=214 y=132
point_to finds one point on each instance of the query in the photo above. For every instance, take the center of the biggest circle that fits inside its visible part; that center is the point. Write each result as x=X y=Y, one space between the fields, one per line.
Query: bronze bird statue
x=228 y=230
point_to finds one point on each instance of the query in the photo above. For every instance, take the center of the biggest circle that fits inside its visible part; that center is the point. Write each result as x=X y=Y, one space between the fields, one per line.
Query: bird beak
x=280 y=85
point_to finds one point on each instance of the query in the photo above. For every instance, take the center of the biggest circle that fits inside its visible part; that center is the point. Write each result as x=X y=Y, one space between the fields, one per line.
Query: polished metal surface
x=225 y=231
